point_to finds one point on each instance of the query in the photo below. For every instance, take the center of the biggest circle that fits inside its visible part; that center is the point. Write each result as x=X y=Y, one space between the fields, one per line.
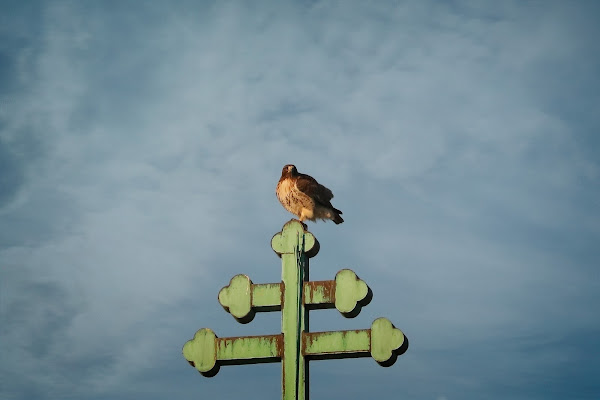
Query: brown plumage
x=304 y=197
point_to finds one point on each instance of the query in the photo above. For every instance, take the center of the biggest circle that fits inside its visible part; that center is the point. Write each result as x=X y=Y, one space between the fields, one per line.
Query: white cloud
x=161 y=139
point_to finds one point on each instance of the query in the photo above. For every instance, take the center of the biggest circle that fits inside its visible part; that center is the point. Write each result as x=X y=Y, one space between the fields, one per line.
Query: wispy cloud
x=139 y=151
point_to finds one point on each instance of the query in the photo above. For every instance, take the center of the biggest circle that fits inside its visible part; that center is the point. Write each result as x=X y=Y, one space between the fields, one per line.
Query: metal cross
x=294 y=296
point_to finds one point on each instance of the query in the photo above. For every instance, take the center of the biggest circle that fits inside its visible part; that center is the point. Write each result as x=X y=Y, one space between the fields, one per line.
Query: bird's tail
x=336 y=216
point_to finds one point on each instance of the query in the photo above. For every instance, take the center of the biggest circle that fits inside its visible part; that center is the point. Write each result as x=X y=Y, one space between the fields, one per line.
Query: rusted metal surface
x=207 y=352
x=337 y=342
x=348 y=293
x=242 y=298
x=383 y=342
x=293 y=244
x=294 y=296
x=250 y=347
x=319 y=293
x=267 y=295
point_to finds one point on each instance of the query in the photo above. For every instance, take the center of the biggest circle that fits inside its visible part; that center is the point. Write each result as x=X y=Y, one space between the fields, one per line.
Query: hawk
x=304 y=197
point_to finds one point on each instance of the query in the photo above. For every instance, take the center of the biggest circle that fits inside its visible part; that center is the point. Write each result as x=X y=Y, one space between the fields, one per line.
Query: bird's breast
x=284 y=188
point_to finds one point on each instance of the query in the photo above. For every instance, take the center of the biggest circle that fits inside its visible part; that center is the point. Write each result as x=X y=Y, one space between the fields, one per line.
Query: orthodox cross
x=294 y=296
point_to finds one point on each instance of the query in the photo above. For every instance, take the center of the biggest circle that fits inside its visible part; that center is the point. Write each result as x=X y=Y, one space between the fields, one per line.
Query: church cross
x=294 y=296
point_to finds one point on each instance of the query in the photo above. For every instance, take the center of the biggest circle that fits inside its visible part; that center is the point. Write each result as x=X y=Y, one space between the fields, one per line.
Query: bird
x=304 y=197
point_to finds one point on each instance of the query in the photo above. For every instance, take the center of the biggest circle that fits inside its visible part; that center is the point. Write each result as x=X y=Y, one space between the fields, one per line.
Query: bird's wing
x=309 y=186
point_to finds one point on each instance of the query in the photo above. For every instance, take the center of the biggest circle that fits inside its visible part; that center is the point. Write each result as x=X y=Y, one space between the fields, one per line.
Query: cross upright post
x=294 y=245
x=294 y=296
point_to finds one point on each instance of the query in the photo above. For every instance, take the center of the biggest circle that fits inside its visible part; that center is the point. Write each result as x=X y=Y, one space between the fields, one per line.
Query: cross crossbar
x=294 y=296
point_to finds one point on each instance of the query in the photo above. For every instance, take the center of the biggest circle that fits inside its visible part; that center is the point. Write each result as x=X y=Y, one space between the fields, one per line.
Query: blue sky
x=140 y=145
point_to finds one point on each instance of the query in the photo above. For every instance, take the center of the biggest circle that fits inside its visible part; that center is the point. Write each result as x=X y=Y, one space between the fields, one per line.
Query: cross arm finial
x=347 y=293
x=242 y=298
x=207 y=352
x=292 y=237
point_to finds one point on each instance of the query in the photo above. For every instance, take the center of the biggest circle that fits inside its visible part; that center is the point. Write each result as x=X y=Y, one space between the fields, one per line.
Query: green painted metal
x=206 y=352
x=201 y=351
x=349 y=291
x=236 y=297
x=294 y=296
x=351 y=342
x=293 y=244
x=267 y=295
x=321 y=293
x=245 y=348
x=382 y=342
x=241 y=298
x=385 y=340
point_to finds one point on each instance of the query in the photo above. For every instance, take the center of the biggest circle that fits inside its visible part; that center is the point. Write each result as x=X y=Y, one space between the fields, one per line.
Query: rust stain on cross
x=294 y=296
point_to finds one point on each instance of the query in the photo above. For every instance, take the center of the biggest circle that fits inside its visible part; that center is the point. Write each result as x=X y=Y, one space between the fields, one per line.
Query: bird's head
x=289 y=170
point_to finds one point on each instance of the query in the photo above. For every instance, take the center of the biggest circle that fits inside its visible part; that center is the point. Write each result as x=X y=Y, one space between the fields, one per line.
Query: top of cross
x=293 y=237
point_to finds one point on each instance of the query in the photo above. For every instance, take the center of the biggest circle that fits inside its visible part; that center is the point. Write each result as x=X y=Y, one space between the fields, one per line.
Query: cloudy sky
x=140 y=145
